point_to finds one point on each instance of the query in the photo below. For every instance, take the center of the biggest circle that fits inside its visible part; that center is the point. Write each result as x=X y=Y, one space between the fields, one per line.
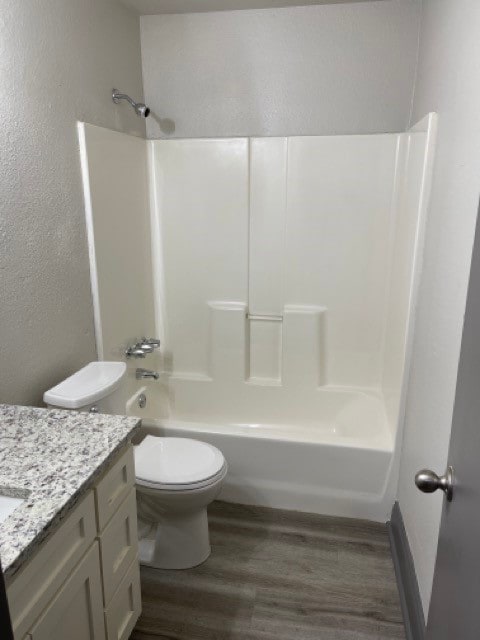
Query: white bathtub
x=338 y=465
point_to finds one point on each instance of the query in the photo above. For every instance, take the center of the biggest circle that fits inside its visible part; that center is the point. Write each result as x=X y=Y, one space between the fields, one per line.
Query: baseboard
x=410 y=601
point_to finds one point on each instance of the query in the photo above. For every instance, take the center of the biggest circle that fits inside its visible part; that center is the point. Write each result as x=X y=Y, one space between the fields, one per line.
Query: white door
x=454 y=610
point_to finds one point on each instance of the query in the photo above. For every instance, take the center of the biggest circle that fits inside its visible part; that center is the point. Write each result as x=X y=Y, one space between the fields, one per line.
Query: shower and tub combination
x=280 y=275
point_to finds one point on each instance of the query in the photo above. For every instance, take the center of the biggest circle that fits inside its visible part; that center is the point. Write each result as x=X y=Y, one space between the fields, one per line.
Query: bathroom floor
x=278 y=575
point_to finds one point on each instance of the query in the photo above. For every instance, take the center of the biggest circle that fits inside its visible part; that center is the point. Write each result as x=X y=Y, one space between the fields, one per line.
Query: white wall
x=447 y=82
x=59 y=60
x=336 y=68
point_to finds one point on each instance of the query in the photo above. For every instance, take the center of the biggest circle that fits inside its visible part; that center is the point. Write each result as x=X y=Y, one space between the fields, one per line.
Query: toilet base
x=179 y=541
x=173 y=524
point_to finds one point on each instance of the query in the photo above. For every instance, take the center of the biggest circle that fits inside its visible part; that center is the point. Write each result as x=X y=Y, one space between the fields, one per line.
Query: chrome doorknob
x=428 y=482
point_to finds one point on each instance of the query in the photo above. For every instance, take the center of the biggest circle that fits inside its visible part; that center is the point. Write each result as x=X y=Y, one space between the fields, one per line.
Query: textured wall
x=337 y=68
x=447 y=82
x=58 y=62
x=153 y=7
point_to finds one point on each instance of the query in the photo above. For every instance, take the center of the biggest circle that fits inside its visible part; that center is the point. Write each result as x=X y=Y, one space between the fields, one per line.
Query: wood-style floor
x=277 y=575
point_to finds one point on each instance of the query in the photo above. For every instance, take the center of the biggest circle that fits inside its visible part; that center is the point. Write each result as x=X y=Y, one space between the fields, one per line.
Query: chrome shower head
x=140 y=109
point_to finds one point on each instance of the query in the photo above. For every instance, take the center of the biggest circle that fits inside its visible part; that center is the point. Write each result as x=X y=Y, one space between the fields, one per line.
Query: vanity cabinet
x=83 y=583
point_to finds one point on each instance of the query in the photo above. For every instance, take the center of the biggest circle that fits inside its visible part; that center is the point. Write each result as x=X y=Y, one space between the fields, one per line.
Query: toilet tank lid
x=92 y=383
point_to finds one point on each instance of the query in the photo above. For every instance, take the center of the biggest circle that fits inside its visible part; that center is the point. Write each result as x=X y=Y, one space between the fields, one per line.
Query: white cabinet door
x=125 y=607
x=119 y=546
x=76 y=612
x=33 y=588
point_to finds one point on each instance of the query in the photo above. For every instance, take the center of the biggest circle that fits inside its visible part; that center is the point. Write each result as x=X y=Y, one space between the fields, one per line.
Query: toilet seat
x=177 y=464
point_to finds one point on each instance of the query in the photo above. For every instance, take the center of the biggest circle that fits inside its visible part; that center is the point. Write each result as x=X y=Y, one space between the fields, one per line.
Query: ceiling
x=152 y=7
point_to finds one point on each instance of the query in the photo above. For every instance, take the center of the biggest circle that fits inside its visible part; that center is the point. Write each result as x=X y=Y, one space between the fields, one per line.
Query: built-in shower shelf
x=264 y=317
x=264 y=382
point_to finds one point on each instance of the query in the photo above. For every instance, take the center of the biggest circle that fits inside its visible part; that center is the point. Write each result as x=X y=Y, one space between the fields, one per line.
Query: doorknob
x=428 y=482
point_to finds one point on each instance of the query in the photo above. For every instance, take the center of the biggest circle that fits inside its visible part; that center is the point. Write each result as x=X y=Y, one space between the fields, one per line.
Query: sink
x=8 y=506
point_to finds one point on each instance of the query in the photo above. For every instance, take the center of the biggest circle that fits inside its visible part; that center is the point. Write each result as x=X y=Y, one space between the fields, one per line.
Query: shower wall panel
x=414 y=168
x=339 y=216
x=268 y=208
x=298 y=231
x=202 y=204
x=115 y=177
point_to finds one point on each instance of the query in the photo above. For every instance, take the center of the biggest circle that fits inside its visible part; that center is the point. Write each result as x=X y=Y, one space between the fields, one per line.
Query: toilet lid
x=176 y=461
x=94 y=382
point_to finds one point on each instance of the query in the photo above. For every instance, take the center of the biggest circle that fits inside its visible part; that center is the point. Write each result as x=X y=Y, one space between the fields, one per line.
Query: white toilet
x=177 y=478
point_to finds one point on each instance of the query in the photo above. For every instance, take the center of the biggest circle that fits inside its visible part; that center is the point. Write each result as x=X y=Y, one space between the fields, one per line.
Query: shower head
x=140 y=109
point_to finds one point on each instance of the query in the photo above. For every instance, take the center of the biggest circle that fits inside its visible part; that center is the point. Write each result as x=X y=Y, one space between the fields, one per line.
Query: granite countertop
x=51 y=458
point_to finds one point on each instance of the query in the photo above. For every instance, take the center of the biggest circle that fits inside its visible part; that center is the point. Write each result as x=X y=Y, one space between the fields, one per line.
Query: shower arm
x=116 y=97
x=140 y=108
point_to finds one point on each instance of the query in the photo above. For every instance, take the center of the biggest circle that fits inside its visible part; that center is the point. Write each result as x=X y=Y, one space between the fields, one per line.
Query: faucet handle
x=151 y=342
x=140 y=349
x=135 y=352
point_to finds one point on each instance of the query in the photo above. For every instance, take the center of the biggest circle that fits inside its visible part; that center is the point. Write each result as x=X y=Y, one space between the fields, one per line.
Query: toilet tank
x=100 y=386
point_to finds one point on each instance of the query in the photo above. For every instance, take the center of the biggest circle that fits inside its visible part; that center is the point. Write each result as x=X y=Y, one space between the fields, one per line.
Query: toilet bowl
x=176 y=478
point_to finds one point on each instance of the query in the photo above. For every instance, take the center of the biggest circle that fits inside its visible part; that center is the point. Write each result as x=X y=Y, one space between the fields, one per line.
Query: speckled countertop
x=51 y=458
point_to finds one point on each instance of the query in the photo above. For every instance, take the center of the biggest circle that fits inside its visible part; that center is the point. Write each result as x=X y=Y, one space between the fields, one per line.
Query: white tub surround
x=284 y=275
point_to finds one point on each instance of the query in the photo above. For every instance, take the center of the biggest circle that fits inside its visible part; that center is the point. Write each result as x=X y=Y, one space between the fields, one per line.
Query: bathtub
x=338 y=464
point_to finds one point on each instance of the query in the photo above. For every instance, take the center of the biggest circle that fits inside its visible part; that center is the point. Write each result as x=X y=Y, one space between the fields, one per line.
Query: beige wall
x=447 y=82
x=59 y=60
x=320 y=70
x=153 y=7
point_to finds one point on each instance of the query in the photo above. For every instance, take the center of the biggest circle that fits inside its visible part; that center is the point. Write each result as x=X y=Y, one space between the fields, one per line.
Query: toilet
x=176 y=478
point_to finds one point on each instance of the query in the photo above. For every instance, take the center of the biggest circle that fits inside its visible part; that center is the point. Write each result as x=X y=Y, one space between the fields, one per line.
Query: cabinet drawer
x=119 y=545
x=30 y=591
x=125 y=607
x=76 y=612
x=114 y=486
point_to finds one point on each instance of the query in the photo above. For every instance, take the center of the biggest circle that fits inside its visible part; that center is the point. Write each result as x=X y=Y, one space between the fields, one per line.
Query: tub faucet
x=143 y=374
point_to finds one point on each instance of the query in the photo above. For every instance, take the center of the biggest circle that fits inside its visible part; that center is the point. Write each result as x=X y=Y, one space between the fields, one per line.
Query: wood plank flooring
x=277 y=575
